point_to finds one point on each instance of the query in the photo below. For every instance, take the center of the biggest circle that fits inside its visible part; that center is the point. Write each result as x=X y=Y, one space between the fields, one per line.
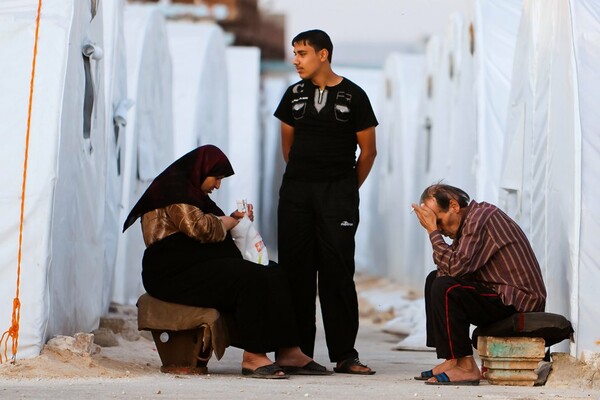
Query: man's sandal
x=443 y=379
x=425 y=375
x=346 y=367
x=312 y=368
x=271 y=371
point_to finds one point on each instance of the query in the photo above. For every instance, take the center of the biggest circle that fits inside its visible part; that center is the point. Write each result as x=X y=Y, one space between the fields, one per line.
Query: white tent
x=396 y=176
x=551 y=154
x=148 y=146
x=245 y=141
x=469 y=79
x=495 y=25
x=453 y=142
x=115 y=122
x=200 y=103
x=57 y=170
x=272 y=164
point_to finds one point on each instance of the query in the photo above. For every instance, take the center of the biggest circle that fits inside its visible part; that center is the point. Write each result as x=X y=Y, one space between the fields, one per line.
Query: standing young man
x=323 y=119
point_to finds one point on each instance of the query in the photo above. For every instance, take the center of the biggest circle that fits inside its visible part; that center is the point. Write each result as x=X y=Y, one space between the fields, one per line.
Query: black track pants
x=317 y=222
x=452 y=305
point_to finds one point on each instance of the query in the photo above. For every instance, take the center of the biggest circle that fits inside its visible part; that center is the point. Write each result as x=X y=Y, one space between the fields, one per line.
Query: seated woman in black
x=191 y=259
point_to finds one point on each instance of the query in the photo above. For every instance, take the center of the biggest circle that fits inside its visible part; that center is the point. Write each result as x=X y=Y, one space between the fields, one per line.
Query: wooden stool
x=185 y=336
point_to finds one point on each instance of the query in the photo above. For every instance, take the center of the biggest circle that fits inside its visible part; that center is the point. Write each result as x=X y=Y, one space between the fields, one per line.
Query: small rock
x=82 y=344
x=105 y=338
x=125 y=326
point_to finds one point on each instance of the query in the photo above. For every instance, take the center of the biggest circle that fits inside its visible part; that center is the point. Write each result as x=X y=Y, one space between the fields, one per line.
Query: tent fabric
x=551 y=154
x=148 y=147
x=115 y=87
x=586 y=33
x=245 y=143
x=200 y=91
x=62 y=253
x=496 y=25
x=272 y=164
x=396 y=176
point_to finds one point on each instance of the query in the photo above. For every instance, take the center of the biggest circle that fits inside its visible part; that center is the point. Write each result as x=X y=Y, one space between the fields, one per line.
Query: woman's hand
x=249 y=212
x=229 y=222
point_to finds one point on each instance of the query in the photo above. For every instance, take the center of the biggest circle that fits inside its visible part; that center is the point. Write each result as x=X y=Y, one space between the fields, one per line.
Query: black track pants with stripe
x=452 y=305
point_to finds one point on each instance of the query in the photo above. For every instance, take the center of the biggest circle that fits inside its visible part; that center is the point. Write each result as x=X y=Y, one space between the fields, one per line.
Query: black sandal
x=345 y=367
x=312 y=368
x=270 y=371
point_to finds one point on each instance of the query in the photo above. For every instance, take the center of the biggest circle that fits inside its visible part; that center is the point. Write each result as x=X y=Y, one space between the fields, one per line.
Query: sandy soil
x=132 y=367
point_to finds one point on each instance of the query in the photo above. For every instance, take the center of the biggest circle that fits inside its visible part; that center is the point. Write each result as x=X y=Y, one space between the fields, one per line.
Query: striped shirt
x=492 y=250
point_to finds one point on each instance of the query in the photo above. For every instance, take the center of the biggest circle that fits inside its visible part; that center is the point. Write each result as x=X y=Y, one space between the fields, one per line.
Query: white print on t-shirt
x=299 y=107
x=299 y=88
x=342 y=106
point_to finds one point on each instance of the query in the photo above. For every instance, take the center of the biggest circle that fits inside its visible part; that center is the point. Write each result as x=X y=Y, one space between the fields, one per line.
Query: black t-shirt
x=325 y=126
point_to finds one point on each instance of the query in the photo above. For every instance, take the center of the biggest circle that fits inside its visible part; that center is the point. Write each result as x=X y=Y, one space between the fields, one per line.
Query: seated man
x=488 y=273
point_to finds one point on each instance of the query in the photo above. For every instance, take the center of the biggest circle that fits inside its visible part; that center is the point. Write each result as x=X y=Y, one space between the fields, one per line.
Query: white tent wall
x=148 y=147
x=116 y=121
x=453 y=140
x=586 y=33
x=438 y=109
x=63 y=260
x=433 y=119
x=396 y=177
x=272 y=164
x=200 y=103
x=77 y=258
x=462 y=122
x=544 y=163
x=17 y=37
x=496 y=24
x=245 y=147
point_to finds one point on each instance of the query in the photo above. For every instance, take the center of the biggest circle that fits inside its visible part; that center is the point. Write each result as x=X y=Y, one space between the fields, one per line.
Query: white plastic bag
x=249 y=241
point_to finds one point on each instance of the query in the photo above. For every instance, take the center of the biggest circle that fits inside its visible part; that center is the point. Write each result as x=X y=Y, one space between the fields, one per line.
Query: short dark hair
x=443 y=193
x=317 y=39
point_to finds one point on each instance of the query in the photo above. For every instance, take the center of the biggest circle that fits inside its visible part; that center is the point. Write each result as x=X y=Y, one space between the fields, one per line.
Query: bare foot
x=466 y=369
x=445 y=366
x=292 y=357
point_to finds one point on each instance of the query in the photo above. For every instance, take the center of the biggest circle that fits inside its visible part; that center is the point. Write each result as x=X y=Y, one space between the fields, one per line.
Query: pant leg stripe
x=448 y=315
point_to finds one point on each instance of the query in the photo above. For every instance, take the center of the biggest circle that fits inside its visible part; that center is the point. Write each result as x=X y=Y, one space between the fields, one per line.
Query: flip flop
x=346 y=367
x=425 y=375
x=442 y=379
x=312 y=368
x=266 y=372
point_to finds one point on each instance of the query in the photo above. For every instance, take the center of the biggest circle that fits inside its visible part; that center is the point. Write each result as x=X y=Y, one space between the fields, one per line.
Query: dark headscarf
x=180 y=182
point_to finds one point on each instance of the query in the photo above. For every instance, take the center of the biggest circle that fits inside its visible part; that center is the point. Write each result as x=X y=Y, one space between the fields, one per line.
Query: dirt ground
x=130 y=370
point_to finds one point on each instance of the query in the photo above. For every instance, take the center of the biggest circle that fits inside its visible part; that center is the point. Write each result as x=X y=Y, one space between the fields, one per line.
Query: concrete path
x=394 y=380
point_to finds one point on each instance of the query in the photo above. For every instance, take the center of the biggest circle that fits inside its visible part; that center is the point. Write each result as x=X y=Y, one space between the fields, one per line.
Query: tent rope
x=13 y=331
